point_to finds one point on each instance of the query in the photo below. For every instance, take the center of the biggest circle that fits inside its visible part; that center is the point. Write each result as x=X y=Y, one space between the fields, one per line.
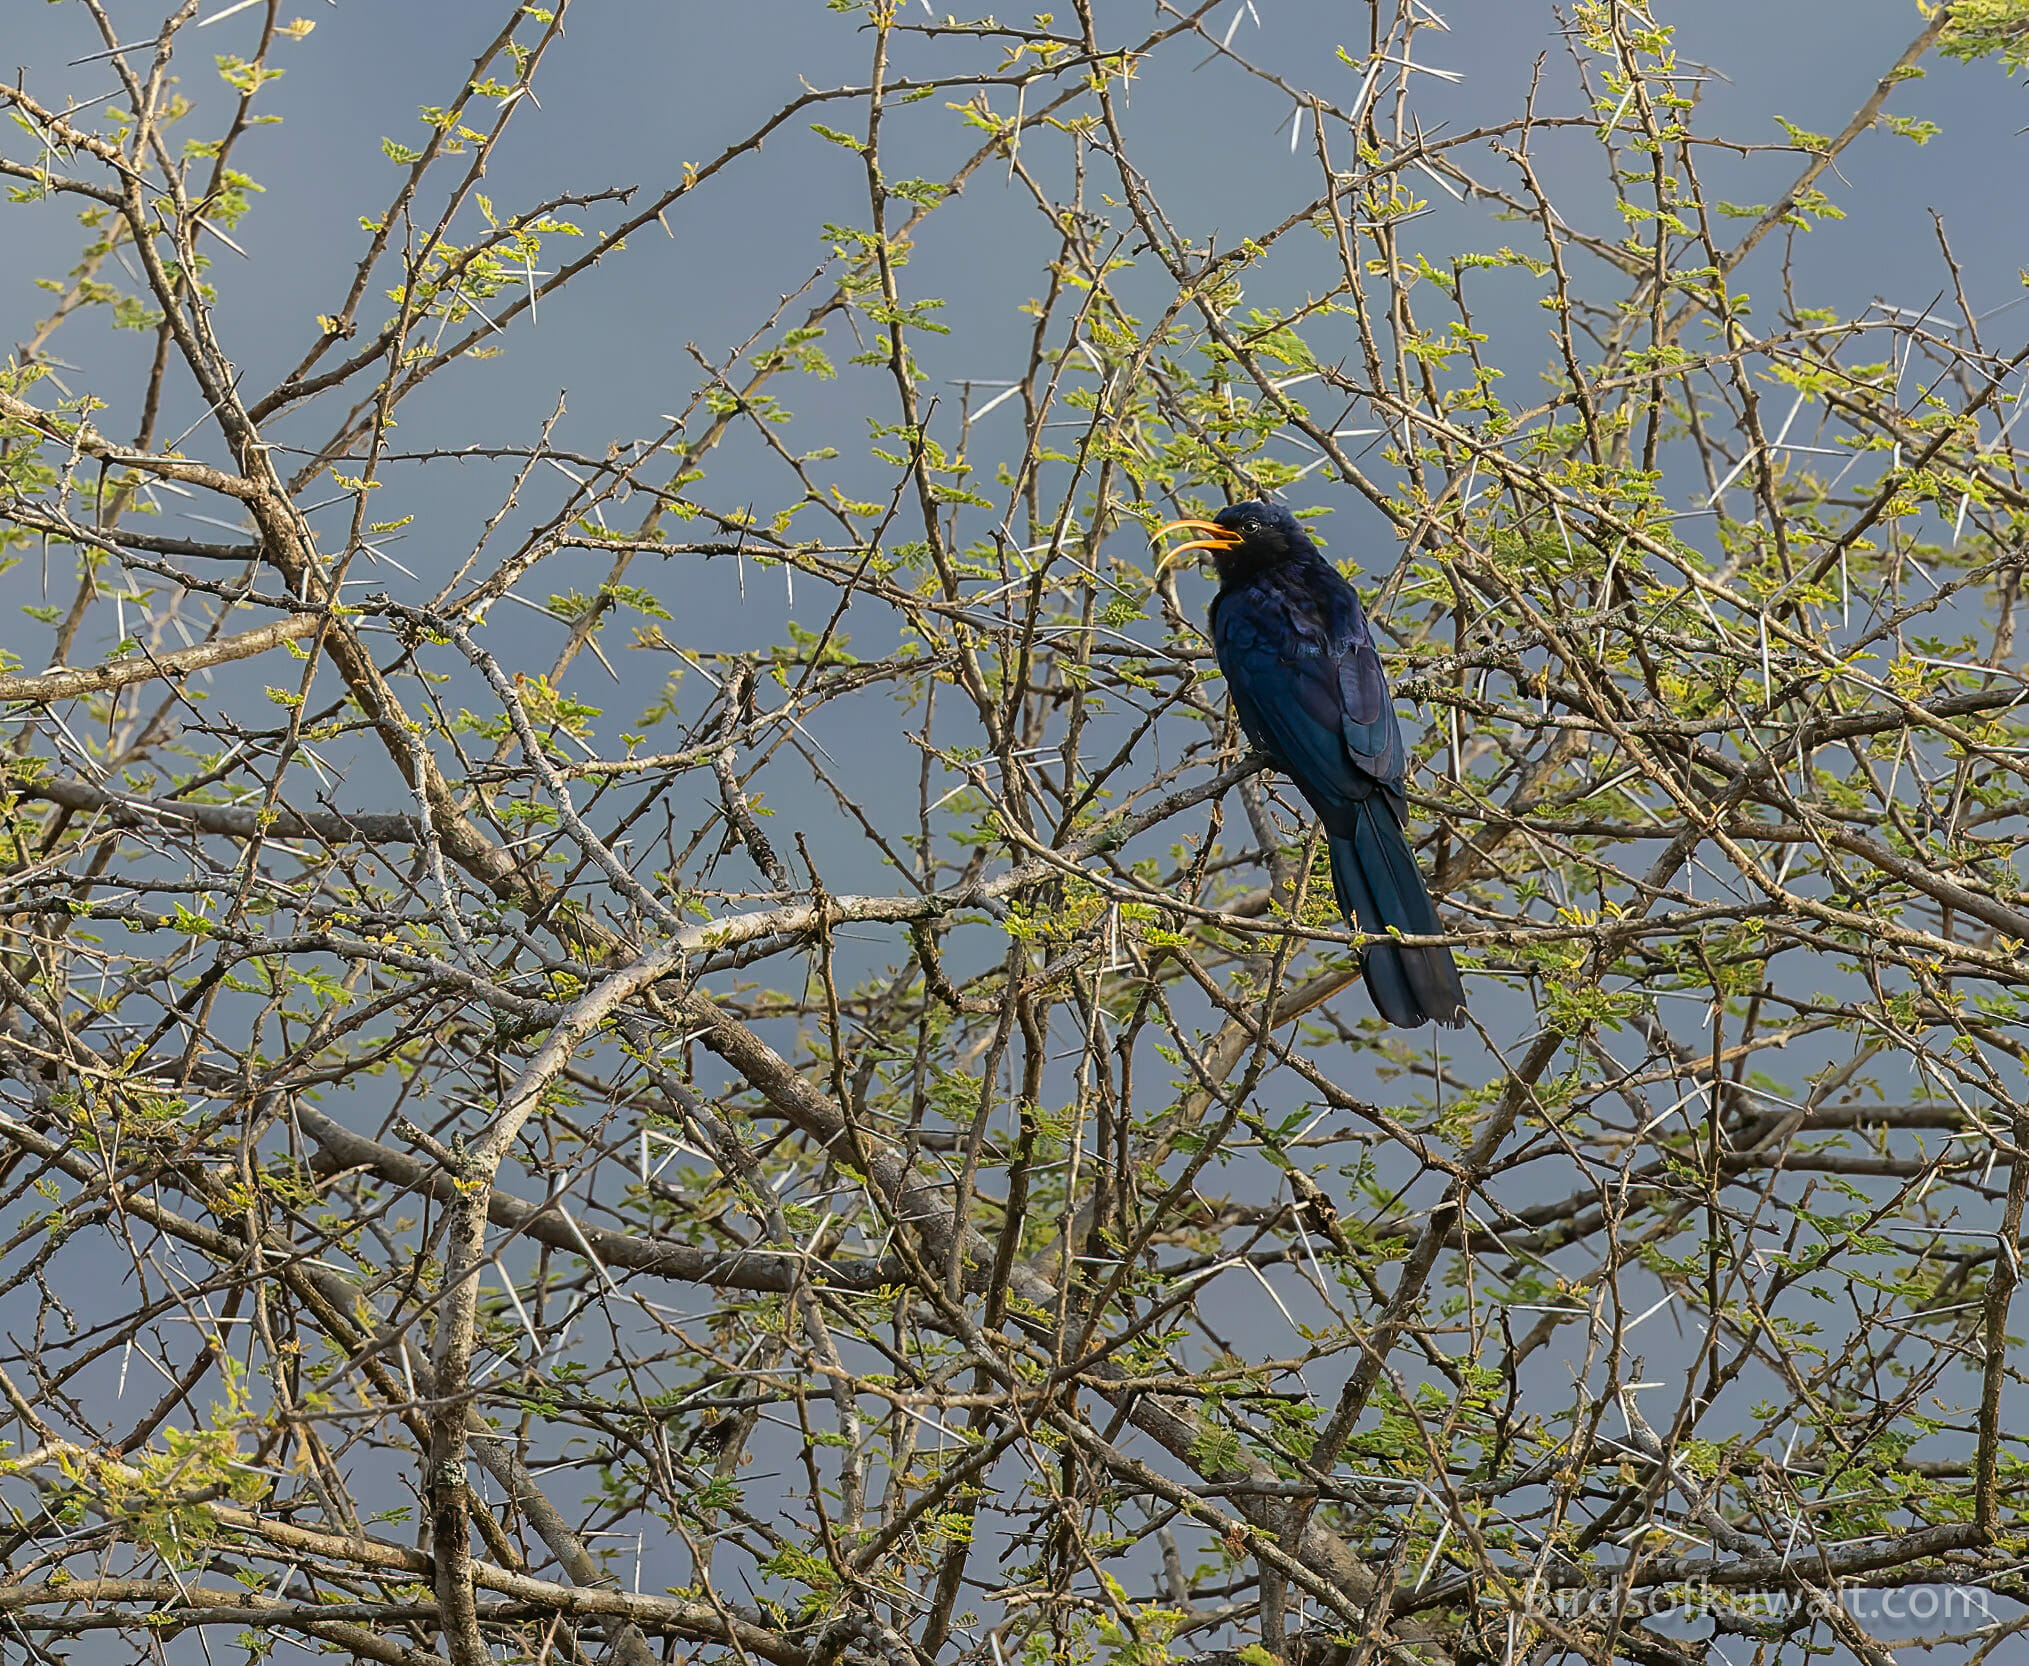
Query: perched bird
x=1308 y=689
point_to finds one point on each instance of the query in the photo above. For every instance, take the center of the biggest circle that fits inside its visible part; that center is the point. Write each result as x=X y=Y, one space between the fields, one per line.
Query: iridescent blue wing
x=1307 y=684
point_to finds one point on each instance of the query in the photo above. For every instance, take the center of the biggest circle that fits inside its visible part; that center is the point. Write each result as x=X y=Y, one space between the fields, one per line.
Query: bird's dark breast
x=1250 y=652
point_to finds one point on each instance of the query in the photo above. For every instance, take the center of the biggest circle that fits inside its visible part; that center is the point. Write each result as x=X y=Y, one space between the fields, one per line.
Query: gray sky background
x=636 y=90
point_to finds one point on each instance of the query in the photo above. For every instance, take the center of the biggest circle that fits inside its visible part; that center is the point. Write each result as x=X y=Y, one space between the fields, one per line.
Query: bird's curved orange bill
x=1221 y=538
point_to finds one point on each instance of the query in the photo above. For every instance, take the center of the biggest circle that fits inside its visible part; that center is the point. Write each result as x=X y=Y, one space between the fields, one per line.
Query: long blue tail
x=1375 y=875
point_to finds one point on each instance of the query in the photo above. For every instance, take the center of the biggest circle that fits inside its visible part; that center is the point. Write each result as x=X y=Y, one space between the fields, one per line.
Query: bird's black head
x=1245 y=538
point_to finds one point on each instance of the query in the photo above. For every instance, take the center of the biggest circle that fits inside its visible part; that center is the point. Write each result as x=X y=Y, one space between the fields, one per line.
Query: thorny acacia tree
x=572 y=1225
